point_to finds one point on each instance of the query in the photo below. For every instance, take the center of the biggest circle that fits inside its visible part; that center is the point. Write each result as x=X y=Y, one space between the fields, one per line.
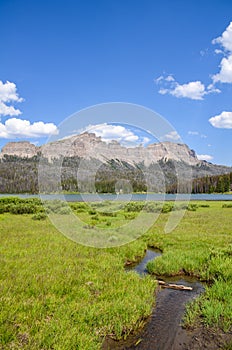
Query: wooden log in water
x=174 y=286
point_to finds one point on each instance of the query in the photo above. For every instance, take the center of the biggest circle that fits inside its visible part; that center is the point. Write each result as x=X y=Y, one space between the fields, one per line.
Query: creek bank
x=163 y=328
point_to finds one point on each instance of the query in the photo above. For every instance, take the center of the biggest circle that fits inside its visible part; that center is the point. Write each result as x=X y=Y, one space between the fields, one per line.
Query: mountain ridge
x=85 y=163
x=88 y=145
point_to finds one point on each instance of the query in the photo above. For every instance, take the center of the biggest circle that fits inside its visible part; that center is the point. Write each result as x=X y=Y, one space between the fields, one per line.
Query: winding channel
x=163 y=329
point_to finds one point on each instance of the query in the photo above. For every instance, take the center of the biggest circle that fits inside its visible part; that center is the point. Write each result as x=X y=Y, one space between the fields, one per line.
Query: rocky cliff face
x=88 y=145
x=87 y=164
x=20 y=149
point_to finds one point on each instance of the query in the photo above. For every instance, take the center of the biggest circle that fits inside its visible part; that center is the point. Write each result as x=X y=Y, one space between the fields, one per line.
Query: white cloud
x=18 y=128
x=125 y=136
x=194 y=90
x=157 y=80
x=223 y=120
x=225 y=74
x=163 y=91
x=8 y=110
x=206 y=157
x=113 y=132
x=145 y=140
x=211 y=89
x=169 y=78
x=172 y=135
x=225 y=40
x=218 y=51
x=9 y=95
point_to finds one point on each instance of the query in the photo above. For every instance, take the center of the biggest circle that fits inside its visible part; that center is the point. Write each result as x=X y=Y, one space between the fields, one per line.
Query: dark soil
x=203 y=338
x=195 y=339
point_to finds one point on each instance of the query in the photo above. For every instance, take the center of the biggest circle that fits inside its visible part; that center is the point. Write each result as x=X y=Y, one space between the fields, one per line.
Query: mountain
x=88 y=145
x=87 y=163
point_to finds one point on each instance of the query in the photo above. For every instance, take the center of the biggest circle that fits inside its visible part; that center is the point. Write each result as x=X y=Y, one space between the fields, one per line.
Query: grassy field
x=200 y=246
x=57 y=294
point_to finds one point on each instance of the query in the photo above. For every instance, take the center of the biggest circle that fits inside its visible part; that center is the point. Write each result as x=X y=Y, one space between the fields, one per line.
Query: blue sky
x=174 y=57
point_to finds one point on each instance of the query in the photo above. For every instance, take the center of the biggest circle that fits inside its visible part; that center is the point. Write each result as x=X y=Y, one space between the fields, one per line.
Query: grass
x=57 y=294
x=200 y=246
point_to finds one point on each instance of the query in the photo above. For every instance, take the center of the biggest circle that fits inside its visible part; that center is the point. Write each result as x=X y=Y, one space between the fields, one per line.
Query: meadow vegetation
x=57 y=294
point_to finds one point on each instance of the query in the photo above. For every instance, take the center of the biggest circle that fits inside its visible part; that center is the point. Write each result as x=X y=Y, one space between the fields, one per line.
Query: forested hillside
x=20 y=175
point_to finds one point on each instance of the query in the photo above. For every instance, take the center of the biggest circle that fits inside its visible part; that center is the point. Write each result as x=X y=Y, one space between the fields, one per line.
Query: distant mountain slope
x=88 y=145
x=86 y=163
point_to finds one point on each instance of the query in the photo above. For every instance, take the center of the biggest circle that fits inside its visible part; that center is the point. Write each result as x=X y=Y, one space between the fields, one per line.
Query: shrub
x=2 y=209
x=79 y=207
x=167 y=208
x=108 y=213
x=39 y=216
x=64 y=211
x=92 y=212
x=134 y=206
x=57 y=206
x=130 y=216
x=152 y=207
x=192 y=207
x=22 y=209
x=227 y=205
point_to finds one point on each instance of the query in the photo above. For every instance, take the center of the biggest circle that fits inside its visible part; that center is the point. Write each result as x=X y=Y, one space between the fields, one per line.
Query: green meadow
x=57 y=294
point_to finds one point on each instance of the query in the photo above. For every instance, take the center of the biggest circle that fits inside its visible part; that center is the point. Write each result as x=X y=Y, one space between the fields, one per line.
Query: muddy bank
x=202 y=337
x=163 y=329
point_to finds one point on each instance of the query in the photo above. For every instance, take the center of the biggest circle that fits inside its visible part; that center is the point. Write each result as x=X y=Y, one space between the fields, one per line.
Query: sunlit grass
x=57 y=294
x=200 y=246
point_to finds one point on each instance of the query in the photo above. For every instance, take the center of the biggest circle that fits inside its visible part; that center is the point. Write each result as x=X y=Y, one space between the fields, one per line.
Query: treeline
x=213 y=184
x=34 y=175
x=73 y=174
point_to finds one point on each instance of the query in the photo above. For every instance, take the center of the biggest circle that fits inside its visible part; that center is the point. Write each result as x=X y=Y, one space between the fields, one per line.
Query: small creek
x=163 y=329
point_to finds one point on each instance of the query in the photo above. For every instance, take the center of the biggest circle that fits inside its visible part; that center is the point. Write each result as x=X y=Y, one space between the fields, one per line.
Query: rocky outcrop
x=87 y=164
x=88 y=145
x=22 y=149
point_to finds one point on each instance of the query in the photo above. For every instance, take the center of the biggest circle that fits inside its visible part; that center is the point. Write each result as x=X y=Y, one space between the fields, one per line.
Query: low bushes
x=227 y=205
x=15 y=205
x=39 y=216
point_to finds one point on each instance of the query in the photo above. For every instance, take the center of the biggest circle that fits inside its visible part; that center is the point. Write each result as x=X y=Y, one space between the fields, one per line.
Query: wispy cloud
x=197 y=133
x=9 y=96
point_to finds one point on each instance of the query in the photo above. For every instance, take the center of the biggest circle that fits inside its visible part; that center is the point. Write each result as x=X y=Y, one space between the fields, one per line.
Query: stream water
x=163 y=329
